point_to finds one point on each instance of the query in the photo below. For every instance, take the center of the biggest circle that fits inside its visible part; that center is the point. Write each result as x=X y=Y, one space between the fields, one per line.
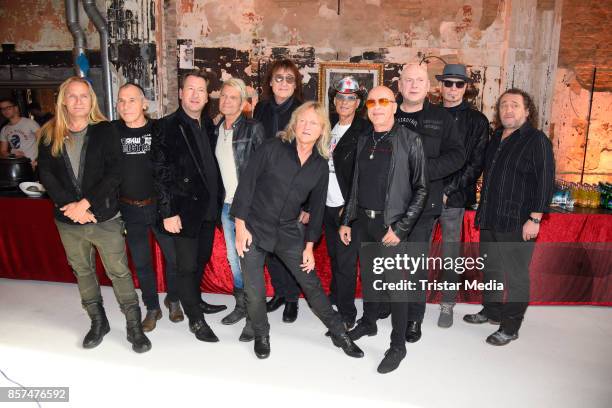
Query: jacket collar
x=186 y=119
x=240 y=118
x=524 y=130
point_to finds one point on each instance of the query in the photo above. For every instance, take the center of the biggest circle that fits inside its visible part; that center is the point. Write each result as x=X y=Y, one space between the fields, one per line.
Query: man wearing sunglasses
x=388 y=193
x=460 y=187
x=346 y=130
x=445 y=155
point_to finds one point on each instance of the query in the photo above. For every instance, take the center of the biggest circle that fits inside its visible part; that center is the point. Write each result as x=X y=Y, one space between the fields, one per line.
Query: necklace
x=376 y=142
x=226 y=133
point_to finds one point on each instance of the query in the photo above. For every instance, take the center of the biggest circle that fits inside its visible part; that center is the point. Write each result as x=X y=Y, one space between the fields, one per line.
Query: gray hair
x=239 y=85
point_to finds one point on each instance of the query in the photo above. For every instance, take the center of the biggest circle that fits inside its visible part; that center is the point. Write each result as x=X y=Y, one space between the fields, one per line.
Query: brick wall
x=586 y=41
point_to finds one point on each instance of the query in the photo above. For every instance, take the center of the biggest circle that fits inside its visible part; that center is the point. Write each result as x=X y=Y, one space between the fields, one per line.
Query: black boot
x=247 y=332
x=239 y=311
x=274 y=303
x=135 y=335
x=202 y=331
x=346 y=344
x=262 y=346
x=290 y=313
x=99 y=325
x=413 y=332
x=207 y=308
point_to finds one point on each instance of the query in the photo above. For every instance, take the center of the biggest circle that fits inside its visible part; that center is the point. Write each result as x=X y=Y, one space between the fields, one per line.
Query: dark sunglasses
x=449 y=84
x=345 y=97
x=290 y=79
x=384 y=102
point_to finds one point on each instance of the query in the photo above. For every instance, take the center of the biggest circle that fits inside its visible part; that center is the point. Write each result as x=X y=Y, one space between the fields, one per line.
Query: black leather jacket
x=344 y=154
x=460 y=187
x=248 y=135
x=406 y=186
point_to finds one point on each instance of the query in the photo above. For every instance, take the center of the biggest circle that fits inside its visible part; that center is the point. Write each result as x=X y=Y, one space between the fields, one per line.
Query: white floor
x=563 y=359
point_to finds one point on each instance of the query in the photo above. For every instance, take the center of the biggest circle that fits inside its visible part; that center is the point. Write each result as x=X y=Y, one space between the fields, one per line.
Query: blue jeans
x=229 y=233
x=138 y=222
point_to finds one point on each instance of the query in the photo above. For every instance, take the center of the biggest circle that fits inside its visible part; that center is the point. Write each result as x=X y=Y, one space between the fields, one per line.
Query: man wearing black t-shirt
x=445 y=155
x=388 y=193
x=138 y=207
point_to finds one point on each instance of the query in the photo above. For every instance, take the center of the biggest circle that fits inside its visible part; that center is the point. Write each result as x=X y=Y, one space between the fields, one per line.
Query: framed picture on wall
x=367 y=75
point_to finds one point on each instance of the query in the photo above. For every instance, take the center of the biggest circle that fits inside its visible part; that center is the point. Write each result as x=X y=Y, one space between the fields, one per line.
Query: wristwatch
x=535 y=220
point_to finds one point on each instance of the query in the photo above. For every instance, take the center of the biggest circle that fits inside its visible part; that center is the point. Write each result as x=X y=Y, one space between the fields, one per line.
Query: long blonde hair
x=288 y=135
x=55 y=131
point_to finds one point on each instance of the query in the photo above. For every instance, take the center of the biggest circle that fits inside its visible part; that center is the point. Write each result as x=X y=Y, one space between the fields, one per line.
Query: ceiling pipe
x=72 y=20
x=101 y=25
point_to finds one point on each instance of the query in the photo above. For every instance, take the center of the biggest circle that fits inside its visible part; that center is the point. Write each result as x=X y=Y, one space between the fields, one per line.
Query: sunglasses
x=345 y=97
x=458 y=85
x=290 y=79
x=384 y=102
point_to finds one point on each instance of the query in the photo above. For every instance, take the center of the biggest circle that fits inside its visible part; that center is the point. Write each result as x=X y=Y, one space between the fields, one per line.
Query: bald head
x=381 y=108
x=414 y=86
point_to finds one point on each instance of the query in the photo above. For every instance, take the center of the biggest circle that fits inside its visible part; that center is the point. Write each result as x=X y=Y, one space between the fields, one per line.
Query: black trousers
x=420 y=233
x=507 y=261
x=343 y=259
x=192 y=255
x=288 y=250
x=283 y=282
x=373 y=230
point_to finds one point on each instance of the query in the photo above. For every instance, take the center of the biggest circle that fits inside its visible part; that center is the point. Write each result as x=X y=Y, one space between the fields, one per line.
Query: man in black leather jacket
x=190 y=193
x=234 y=139
x=460 y=187
x=388 y=194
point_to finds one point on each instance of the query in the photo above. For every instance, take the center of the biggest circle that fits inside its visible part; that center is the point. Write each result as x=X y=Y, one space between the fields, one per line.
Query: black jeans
x=138 y=222
x=373 y=230
x=192 y=255
x=283 y=282
x=343 y=259
x=420 y=233
x=289 y=250
x=507 y=261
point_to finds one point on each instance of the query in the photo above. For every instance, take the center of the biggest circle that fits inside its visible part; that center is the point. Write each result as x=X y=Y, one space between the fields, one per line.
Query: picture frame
x=368 y=75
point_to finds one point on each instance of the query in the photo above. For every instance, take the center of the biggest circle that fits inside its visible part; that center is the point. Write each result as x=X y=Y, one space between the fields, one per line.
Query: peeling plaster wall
x=34 y=25
x=43 y=43
x=479 y=33
x=586 y=43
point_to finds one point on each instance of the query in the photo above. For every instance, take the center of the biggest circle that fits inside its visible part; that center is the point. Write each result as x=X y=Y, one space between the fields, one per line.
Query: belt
x=371 y=213
x=137 y=203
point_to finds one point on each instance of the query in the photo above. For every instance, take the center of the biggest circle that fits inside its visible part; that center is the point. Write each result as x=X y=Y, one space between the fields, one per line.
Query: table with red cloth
x=30 y=248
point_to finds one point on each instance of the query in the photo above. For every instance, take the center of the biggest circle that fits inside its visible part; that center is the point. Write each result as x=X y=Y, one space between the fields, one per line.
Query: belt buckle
x=371 y=214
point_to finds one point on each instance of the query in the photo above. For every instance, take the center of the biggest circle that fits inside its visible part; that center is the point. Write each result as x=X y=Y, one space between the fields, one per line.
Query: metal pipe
x=72 y=20
x=101 y=25
x=586 y=139
x=29 y=83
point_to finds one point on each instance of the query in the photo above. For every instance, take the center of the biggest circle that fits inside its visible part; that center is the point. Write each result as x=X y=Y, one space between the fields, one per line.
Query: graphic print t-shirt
x=21 y=136
x=136 y=167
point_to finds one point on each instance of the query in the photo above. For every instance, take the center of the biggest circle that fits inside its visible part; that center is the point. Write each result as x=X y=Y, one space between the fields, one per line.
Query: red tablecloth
x=30 y=248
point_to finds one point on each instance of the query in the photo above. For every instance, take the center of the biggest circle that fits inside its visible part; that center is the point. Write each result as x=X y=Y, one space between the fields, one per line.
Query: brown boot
x=150 y=320
x=175 y=312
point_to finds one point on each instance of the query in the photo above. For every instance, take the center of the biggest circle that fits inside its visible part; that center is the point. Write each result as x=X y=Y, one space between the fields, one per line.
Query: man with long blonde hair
x=281 y=175
x=79 y=167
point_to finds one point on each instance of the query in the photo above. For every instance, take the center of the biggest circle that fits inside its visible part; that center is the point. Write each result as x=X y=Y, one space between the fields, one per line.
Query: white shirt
x=227 y=165
x=334 y=194
x=22 y=136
